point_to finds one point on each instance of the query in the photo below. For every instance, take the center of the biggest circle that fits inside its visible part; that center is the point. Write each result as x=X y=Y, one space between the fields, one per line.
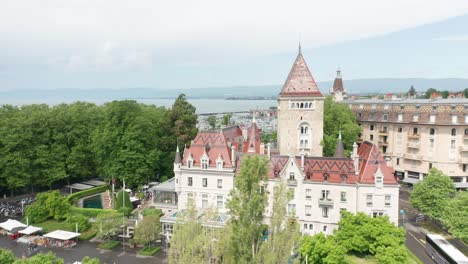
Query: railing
x=413 y=145
x=383 y=142
x=325 y=202
x=412 y=135
x=463 y=148
x=412 y=156
x=292 y=182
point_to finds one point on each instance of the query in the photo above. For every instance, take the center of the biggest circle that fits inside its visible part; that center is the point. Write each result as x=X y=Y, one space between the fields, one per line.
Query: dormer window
x=308 y=175
x=219 y=163
x=204 y=163
x=325 y=176
x=189 y=163
x=343 y=177
x=276 y=172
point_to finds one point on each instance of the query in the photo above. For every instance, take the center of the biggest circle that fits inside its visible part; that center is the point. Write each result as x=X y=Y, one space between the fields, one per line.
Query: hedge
x=109 y=244
x=72 y=198
x=149 y=251
x=88 y=235
x=90 y=212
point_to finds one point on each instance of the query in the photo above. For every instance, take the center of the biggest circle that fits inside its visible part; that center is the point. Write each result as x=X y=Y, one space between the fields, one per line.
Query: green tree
x=247 y=205
x=124 y=143
x=48 y=205
x=338 y=116
x=41 y=258
x=227 y=119
x=411 y=91
x=321 y=249
x=431 y=195
x=283 y=230
x=465 y=92
x=184 y=120
x=148 y=230
x=191 y=242
x=455 y=215
x=212 y=121
x=377 y=236
x=6 y=256
x=108 y=224
x=429 y=92
x=445 y=94
x=269 y=137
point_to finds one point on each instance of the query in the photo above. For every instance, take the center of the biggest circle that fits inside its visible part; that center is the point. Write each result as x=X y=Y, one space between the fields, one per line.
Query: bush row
x=90 y=212
x=149 y=251
x=72 y=198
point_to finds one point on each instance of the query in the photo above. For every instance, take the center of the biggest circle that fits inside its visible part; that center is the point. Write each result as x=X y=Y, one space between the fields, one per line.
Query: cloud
x=107 y=57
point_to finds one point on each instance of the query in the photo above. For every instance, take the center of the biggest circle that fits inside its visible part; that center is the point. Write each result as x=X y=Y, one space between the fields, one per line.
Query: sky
x=56 y=44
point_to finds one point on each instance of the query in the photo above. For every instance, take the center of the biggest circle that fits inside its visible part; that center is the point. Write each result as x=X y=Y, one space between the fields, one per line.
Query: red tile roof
x=370 y=160
x=252 y=145
x=338 y=83
x=213 y=144
x=300 y=81
x=338 y=170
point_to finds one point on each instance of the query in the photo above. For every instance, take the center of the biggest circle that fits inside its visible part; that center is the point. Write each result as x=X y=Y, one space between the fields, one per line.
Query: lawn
x=109 y=244
x=353 y=259
x=149 y=251
x=52 y=225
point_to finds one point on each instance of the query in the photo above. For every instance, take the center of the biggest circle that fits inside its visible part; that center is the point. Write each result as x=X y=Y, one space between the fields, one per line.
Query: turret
x=339 y=149
x=177 y=160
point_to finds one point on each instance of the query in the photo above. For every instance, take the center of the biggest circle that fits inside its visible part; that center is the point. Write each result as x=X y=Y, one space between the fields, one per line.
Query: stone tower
x=337 y=91
x=300 y=112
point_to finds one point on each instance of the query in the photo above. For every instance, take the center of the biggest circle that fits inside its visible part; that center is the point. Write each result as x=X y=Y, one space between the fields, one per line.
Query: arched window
x=466 y=131
x=454 y=131
x=302 y=105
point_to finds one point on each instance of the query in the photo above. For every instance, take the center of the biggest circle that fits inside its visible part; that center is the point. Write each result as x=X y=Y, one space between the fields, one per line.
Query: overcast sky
x=186 y=43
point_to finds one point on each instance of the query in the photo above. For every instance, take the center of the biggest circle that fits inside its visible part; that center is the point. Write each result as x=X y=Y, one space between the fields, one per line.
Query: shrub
x=152 y=211
x=125 y=211
x=81 y=220
x=149 y=251
x=88 y=235
x=48 y=205
x=120 y=196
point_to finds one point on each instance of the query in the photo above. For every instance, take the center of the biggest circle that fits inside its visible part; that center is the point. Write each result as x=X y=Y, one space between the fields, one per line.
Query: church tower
x=300 y=112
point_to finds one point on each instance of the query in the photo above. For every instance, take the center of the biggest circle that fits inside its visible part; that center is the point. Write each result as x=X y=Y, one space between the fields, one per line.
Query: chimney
x=355 y=158
x=233 y=156
x=302 y=161
x=269 y=150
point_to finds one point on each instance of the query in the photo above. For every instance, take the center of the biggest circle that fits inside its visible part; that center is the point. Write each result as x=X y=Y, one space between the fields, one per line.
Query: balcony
x=412 y=135
x=325 y=202
x=463 y=160
x=414 y=145
x=412 y=156
x=383 y=132
x=463 y=148
x=383 y=143
x=292 y=182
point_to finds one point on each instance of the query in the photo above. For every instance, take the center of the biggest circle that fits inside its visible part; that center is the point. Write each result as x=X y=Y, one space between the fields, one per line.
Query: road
x=415 y=238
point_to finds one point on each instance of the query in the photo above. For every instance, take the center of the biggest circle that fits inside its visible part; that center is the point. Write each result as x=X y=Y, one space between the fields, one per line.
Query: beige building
x=415 y=135
x=300 y=113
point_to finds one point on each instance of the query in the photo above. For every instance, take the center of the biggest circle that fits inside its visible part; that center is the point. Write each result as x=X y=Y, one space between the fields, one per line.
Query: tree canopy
x=431 y=195
x=44 y=147
x=338 y=116
x=455 y=215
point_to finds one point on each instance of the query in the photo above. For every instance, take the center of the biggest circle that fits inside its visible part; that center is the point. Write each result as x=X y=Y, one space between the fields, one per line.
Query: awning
x=62 y=235
x=30 y=230
x=167 y=186
x=94 y=183
x=12 y=225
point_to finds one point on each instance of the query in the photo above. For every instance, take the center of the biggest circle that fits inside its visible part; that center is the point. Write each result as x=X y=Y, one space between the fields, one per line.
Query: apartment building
x=415 y=135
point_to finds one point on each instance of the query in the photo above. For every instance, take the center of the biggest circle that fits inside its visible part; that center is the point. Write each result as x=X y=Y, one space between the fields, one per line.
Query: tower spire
x=339 y=149
x=300 y=50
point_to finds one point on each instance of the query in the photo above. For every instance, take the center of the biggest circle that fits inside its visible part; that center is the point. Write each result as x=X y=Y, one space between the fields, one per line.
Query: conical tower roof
x=177 y=159
x=300 y=81
x=338 y=83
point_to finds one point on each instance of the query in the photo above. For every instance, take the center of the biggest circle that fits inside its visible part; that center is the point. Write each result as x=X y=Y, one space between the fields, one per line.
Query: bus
x=442 y=252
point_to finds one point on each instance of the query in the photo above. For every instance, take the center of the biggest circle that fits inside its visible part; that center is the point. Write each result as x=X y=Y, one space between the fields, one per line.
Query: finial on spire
x=338 y=73
x=300 y=50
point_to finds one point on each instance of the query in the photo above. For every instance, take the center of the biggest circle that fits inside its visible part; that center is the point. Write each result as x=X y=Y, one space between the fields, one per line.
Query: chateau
x=322 y=186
